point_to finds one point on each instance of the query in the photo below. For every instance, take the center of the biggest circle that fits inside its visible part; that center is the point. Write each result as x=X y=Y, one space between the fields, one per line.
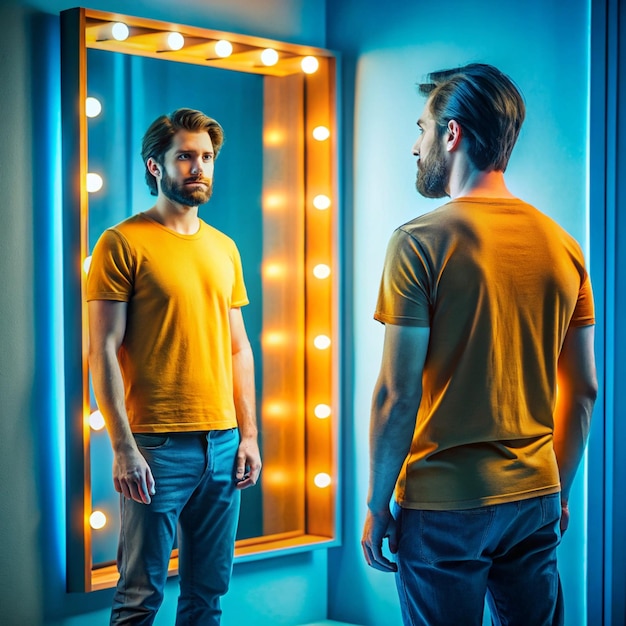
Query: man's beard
x=187 y=196
x=433 y=175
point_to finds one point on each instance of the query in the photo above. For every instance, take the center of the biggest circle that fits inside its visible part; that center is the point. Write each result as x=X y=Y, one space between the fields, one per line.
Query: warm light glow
x=321 y=202
x=322 y=480
x=321 y=342
x=274 y=270
x=87 y=264
x=96 y=421
x=175 y=41
x=273 y=338
x=321 y=271
x=322 y=411
x=120 y=31
x=94 y=182
x=223 y=48
x=272 y=201
x=93 y=108
x=274 y=137
x=97 y=520
x=321 y=133
x=269 y=57
x=309 y=65
x=274 y=409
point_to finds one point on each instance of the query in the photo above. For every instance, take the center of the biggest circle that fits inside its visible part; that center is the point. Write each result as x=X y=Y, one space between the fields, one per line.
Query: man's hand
x=248 y=463
x=378 y=527
x=564 y=516
x=132 y=476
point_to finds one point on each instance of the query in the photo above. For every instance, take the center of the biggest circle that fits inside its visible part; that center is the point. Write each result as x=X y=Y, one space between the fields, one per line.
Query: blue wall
x=388 y=47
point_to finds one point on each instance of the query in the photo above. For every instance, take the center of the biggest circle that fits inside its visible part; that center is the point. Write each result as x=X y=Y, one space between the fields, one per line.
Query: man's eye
x=182 y=157
x=208 y=157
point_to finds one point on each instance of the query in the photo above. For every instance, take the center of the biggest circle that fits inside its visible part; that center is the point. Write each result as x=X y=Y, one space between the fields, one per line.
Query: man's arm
x=132 y=476
x=577 y=392
x=248 y=455
x=396 y=398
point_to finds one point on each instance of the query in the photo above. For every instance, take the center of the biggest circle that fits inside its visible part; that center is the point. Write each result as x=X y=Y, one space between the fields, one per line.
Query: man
x=486 y=304
x=173 y=375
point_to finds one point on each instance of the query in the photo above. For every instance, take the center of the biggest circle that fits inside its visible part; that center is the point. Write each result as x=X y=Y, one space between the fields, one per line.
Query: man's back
x=498 y=283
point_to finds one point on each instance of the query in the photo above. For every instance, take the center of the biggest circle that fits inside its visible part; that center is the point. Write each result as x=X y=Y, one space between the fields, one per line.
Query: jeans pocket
x=151 y=441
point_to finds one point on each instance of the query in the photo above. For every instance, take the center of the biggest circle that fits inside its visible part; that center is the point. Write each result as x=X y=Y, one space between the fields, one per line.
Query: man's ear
x=153 y=167
x=453 y=136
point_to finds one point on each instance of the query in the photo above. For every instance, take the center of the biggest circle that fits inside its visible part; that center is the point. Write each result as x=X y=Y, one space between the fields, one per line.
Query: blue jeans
x=195 y=491
x=448 y=561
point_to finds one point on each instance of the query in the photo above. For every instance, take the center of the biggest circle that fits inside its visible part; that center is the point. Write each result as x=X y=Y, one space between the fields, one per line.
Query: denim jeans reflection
x=449 y=561
x=195 y=491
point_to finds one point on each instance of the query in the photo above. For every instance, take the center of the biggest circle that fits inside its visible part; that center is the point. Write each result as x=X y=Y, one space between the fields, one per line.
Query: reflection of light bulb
x=175 y=41
x=94 y=182
x=93 y=108
x=87 y=264
x=321 y=202
x=321 y=133
x=120 y=31
x=96 y=421
x=321 y=342
x=309 y=65
x=322 y=480
x=322 y=411
x=269 y=56
x=273 y=338
x=274 y=270
x=97 y=520
x=223 y=48
x=321 y=271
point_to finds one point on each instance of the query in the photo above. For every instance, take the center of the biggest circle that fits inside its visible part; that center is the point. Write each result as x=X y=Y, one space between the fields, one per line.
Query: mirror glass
x=274 y=196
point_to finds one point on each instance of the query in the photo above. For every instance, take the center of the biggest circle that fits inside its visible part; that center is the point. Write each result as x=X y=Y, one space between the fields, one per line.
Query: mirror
x=274 y=195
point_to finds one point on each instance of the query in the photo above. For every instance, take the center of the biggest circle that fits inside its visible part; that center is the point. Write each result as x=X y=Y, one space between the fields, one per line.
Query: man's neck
x=179 y=218
x=467 y=181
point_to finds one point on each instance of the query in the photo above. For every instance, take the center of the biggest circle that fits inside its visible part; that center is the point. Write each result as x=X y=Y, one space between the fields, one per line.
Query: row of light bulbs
x=173 y=41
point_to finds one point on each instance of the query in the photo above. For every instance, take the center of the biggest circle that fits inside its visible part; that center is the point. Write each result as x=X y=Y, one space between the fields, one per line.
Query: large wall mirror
x=274 y=195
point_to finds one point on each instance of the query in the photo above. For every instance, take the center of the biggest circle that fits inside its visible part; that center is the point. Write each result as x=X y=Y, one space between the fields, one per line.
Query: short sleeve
x=584 y=313
x=239 y=295
x=112 y=269
x=404 y=293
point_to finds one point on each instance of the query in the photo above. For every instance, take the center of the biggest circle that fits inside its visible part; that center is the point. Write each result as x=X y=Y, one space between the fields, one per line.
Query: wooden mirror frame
x=297 y=169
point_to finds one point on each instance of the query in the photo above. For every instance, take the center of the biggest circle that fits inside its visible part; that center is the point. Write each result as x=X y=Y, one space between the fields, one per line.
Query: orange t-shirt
x=176 y=356
x=499 y=283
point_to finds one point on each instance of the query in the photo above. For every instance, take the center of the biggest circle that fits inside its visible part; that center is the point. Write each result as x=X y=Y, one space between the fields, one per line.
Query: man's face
x=187 y=171
x=433 y=170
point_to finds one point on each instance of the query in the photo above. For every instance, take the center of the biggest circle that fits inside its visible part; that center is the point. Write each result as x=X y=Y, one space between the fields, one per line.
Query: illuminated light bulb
x=97 y=520
x=322 y=480
x=94 y=182
x=321 y=342
x=93 y=108
x=321 y=133
x=321 y=202
x=87 y=264
x=96 y=420
x=321 y=271
x=175 y=41
x=322 y=411
x=269 y=57
x=274 y=270
x=273 y=201
x=273 y=338
x=120 y=31
x=274 y=409
x=309 y=65
x=223 y=48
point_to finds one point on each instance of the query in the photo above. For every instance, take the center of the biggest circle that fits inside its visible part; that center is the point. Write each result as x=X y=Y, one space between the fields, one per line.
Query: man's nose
x=196 y=166
x=416 y=147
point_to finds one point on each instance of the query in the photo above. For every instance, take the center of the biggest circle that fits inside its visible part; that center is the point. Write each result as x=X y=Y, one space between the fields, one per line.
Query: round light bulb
x=321 y=271
x=120 y=31
x=94 y=182
x=321 y=202
x=269 y=57
x=175 y=41
x=321 y=342
x=223 y=48
x=96 y=420
x=97 y=520
x=322 y=411
x=321 y=133
x=322 y=480
x=93 y=108
x=87 y=264
x=309 y=65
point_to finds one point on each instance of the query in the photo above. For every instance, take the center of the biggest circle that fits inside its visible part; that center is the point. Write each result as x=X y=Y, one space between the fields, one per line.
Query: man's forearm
x=244 y=392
